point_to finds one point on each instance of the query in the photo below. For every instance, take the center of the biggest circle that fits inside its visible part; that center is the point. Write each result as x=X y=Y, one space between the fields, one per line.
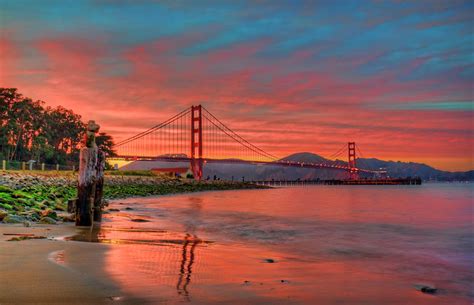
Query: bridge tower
x=351 y=148
x=196 y=141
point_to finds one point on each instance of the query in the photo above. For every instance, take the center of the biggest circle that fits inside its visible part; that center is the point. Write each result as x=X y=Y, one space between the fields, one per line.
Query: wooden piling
x=86 y=186
x=86 y=189
x=99 y=186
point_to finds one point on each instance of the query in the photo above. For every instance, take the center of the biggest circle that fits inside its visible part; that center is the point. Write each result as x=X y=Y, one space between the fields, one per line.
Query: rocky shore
x=43 y=197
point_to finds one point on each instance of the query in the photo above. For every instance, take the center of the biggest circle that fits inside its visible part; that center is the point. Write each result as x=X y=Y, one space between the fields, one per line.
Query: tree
x=105 y=142
x=63 y=130
x=20 y=122
x=28 y=131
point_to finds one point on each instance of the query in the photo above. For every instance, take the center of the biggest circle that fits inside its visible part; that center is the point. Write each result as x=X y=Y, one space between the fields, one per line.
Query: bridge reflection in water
x=149 y=256
x=186 y=266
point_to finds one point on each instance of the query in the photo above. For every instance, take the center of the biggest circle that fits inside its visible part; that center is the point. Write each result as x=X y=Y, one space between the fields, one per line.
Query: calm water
x=299 y=245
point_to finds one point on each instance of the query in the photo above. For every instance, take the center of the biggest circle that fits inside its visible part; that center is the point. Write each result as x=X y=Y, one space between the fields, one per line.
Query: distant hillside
x=393 y=168
x=305 y=157
x=249 y=171
x=406 y=169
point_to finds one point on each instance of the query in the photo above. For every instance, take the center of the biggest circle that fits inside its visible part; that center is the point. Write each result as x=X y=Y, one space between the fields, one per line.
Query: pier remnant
x=86 y=189
x=99 y=186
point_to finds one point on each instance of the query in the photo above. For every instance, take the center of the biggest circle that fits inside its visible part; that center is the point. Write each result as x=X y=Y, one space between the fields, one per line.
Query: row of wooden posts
x=30 y=166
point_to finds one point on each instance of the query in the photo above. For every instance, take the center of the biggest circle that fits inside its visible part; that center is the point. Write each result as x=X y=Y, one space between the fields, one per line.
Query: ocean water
x=295 y=245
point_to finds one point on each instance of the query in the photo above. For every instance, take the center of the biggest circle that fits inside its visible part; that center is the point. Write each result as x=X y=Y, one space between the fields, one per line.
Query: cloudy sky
x=394 y=76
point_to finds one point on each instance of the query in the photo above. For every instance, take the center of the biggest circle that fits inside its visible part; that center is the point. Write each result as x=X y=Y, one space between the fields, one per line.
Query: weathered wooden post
x=23 y=166
x=57 y=167
x=4 y=164
x=42 y=166
x=87 y=177
x=99 y=186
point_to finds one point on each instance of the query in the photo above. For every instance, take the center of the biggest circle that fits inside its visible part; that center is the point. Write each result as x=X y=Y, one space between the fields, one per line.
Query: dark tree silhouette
x=29 y=131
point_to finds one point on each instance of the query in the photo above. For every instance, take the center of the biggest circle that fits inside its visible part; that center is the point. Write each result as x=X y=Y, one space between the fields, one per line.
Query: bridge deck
x=239 y=161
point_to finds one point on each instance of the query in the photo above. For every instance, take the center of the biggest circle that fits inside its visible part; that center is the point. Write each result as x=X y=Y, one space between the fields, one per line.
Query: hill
x=393 y=168
x=229 y=171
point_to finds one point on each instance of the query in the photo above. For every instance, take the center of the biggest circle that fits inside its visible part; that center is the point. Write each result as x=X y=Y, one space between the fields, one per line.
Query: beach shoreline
x=52 y=270
x=28 y=197
x=39 y=265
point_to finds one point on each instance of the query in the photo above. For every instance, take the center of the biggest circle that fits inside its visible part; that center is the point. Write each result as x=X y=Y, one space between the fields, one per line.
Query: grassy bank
x=46 y=201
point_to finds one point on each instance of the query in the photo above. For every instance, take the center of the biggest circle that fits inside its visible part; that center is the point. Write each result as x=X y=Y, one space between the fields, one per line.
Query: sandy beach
x=39 y=271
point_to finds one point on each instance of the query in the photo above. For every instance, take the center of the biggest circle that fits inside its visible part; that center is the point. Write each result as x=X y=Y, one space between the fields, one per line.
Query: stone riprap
x=44 y=197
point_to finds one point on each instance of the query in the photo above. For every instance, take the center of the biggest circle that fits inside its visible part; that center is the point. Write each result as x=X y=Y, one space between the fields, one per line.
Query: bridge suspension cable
x=339 y=152
x=154 y=128
x=236 y=137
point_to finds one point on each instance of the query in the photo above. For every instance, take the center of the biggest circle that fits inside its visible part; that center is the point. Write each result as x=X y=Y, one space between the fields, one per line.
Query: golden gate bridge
x=196 y=136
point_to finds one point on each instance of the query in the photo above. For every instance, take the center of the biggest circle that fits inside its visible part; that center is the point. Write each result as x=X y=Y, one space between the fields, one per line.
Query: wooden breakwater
x=384 y=181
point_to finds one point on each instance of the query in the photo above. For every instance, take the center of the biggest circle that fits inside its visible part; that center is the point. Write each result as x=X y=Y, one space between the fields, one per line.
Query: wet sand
x=53 y=271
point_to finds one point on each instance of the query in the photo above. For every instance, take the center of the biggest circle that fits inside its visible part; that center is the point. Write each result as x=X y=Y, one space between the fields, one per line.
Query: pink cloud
x=316 y=109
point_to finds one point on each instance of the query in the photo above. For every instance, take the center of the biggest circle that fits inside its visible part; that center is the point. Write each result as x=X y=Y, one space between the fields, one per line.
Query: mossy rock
x=60 y=207
x=6 y=206
x=18 y=207
x=3 y=214
x=14 y=219
x=20 y=194
x=49 y=213
x=5 y=198
x=47 y=221
x=22 y=201
x=5 y=189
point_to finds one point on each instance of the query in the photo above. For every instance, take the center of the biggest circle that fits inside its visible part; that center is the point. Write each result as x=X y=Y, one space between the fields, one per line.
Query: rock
x=428 y=289
x=6 y=206
x=20 y=194
x=13 y=219
x=128 y=209
x=269 y=260
x=59 y=205
x=139 y=220
x=67 y=217
x=35 y=213
x=42 y=205
x=49 y=213
x=3 y=214
x=5 y=189
x=47 y=221
x=71 y=205
x=20 y=238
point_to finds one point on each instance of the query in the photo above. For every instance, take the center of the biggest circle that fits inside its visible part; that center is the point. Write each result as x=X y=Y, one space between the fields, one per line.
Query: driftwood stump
x=86 y=189
x=99 y=186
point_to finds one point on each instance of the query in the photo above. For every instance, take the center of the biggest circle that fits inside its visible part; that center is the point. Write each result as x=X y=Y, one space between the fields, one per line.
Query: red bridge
x=195 y=135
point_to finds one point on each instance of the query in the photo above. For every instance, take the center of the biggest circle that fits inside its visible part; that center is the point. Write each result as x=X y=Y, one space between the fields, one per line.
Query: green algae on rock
x=45 y=196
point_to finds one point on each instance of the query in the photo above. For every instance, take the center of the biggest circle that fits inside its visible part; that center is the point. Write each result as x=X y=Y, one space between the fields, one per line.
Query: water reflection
x=190 y=241
x=149 y=254
x=186 y=265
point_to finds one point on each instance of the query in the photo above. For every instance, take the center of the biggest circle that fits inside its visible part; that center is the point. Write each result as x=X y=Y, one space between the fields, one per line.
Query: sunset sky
x=396 y=77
